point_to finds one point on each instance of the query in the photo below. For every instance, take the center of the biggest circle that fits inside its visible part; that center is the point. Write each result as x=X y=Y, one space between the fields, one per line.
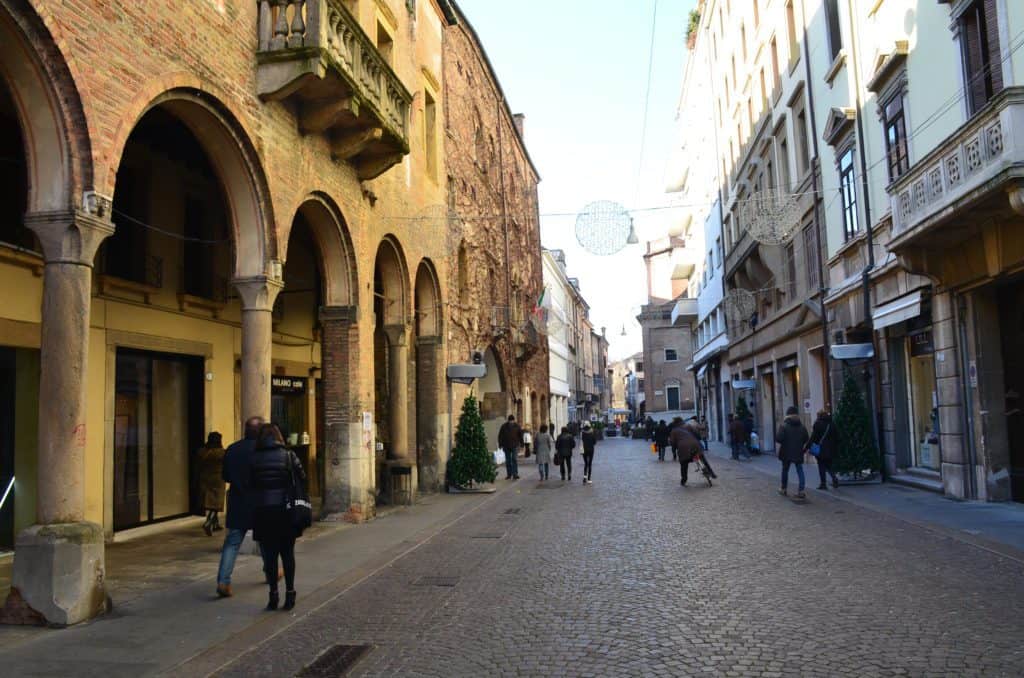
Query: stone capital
x=344 y=314
x=70 y=236
x=258 y=293
x=396 y=334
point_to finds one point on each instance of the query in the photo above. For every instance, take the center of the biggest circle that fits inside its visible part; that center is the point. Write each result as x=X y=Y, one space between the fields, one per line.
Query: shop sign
x=921 y=344
x=288 y=385
x=972 y=373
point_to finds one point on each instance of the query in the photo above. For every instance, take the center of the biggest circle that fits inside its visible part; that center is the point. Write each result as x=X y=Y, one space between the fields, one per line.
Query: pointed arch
x=391 y=281
x=429 y=318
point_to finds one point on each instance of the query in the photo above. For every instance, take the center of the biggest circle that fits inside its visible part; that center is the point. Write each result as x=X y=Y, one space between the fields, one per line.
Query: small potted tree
x=470 y=464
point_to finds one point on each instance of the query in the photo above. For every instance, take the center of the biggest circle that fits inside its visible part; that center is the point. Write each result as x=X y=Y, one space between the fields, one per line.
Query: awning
x=703 y=369
x=743 y=385
x=904 y=308
x=853 y=351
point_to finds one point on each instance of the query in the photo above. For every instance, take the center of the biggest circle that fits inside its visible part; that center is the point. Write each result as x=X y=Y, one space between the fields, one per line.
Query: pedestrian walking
x=275 y=475
x=235 y=471
x=687 y=447
x=589 y=441
x=211 y=481
x=702 y=432
x=527 y=441
x=563 y=452
x=509 y=438
x=792 y=438
x=661 y=435
x=542 y=450
x=825 y=436
x=738 y=437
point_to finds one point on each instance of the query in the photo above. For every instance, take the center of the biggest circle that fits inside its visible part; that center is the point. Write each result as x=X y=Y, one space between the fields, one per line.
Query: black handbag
x=300 y=511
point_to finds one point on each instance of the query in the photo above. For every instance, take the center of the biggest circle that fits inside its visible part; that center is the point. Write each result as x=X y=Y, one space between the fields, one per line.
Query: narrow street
x=635 y=575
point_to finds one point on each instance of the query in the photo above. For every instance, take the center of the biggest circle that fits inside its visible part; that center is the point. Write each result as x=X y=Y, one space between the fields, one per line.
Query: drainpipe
x=822 y=237
x=875 y=369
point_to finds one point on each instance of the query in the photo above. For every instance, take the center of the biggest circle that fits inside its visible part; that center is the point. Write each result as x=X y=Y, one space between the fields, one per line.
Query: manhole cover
x=489 y=535
x=334 y=661
x=436 y=581
x=513 y=511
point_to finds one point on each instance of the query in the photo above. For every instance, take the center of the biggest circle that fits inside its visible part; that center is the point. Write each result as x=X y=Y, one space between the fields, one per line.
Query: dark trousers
x=684 y=467
x=588 y=462
x=675 y=453
x=285 y=548
x=511 y=463
x=565 y=467
x=661 y=452
x=825 y=467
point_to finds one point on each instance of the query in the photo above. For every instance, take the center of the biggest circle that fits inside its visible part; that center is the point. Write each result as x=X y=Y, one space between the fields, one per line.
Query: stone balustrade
x=353 y=96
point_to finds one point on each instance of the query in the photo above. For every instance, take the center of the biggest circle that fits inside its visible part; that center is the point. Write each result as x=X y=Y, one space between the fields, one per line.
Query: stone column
x=59 y=563
x=430 y=455
x=258 y=295
x=398 y=388
x=347 y=453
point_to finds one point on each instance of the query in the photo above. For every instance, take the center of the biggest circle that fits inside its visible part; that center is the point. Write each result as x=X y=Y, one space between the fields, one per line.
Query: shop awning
x=852 y=351
x=703 y=369
x=904 y=308
x=743 y=385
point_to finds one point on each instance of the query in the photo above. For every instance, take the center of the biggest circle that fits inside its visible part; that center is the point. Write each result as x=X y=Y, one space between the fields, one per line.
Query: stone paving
x=636 y=575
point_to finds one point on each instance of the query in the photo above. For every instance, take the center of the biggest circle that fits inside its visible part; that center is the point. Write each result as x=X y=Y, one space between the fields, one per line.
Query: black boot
x=289 y=600
x=273 y=600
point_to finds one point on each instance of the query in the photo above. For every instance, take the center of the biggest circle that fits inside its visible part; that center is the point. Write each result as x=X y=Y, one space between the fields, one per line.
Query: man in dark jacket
x=687 y=446
x=509 y=438
x=235 y=470
x=825 y=434
x=737 y=437
x=792 y=439
x=589 y=441
x=661 y=436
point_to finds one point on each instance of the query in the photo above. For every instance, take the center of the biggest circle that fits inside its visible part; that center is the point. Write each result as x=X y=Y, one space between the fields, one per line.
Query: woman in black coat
x=661 y=435
x=564 y=446
x=825 y=434
x=274 y=473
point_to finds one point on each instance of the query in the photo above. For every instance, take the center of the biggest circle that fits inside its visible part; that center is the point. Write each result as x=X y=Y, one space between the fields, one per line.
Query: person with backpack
x=563 y=452
x=792 y=438
x=823 y=445
x=589 y=441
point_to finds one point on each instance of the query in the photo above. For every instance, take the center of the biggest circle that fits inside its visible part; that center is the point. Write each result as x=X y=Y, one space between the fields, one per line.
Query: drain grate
x=489 y=535
x=436 y=581
x=513 y=511
x=336 y=660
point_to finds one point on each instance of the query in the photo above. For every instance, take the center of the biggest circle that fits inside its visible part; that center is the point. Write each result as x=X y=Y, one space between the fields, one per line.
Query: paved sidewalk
x=996 y=526
x=171 y=614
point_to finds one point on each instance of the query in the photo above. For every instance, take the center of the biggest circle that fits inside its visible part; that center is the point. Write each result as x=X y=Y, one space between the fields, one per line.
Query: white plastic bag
x=499 y=456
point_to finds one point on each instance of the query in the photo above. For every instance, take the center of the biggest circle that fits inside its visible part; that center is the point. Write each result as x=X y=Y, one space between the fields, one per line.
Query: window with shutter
x=979 y=44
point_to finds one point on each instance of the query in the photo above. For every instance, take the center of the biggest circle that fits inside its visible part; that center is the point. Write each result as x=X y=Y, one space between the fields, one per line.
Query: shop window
x=979 y=45
x=924 y=417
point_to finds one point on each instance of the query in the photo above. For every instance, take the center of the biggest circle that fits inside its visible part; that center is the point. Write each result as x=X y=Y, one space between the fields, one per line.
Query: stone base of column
x=58 y=575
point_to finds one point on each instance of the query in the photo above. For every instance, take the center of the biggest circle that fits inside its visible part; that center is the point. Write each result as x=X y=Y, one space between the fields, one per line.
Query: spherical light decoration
x=770 y=216
x=603 y=227
x=740 y=305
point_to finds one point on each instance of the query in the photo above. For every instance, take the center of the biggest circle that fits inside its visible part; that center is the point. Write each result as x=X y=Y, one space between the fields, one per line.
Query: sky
x=578 y=70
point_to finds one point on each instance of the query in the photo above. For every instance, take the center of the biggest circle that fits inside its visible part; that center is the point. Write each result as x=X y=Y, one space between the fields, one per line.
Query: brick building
x=497 y=276
x=213 y=211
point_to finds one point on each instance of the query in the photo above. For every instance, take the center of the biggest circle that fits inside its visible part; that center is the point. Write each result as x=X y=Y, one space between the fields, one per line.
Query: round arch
x=236 y=164
x=391 y=276
x=337 y=257
x=427 y=300
x=49 y=109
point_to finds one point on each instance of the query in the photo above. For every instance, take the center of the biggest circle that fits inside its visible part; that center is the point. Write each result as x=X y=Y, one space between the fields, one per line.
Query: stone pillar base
x=58 y=575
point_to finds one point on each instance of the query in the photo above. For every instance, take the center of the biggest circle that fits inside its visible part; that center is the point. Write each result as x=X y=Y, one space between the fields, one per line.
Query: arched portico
x=391 y=343
x=427 y=325
x=59 y=564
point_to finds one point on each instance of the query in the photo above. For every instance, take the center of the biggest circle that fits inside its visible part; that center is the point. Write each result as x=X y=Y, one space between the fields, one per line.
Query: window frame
x=894 y=121
x=848 y=190
x=675 y=353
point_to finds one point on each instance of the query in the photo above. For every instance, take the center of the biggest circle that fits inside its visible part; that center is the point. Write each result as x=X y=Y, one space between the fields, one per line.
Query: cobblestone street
x=635 y=575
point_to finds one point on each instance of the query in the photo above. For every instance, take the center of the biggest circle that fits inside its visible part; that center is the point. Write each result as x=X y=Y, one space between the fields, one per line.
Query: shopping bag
x=499 y=456
x=654 y=448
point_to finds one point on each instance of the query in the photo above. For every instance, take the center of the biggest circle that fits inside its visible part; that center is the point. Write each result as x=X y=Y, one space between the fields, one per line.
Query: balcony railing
x=973 y=161
x=315 y=53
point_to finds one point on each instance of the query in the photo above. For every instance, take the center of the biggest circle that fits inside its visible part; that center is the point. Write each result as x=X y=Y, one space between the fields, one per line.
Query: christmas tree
x=857 y=450
x=742 y=410
x=471 y=462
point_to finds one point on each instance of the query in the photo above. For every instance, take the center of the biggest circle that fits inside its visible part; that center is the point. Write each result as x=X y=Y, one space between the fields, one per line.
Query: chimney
x=518 y=118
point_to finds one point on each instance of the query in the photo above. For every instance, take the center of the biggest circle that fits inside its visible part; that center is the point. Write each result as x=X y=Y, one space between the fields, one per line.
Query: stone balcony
x=973 y=175
x=314 y=55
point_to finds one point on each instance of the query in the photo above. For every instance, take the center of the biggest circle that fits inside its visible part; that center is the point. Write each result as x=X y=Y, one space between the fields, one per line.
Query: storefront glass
x=923 y=401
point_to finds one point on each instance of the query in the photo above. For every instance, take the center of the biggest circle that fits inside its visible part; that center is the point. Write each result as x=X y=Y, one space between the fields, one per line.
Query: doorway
x=158 y=427
x=1011 y=325
x=8 y=398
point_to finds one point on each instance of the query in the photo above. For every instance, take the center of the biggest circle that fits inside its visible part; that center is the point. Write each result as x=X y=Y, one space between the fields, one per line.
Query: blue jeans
x=232 y=542
x=543 y=468
x=511 y=463
x=799 y=473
